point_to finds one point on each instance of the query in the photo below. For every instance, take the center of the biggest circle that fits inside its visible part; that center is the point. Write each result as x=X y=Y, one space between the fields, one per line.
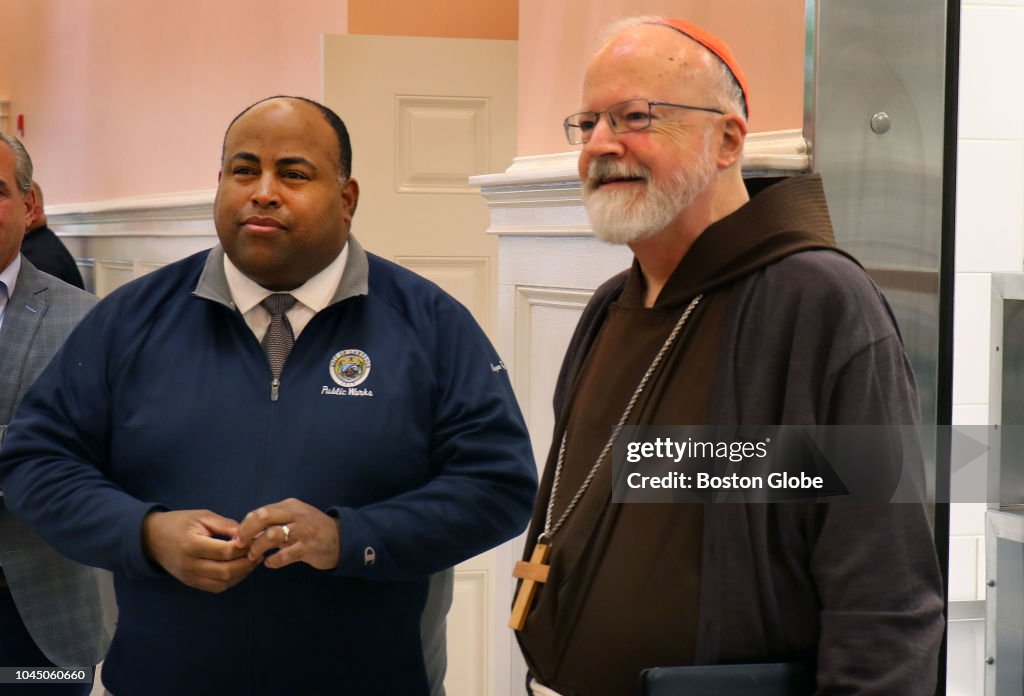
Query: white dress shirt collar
x=312 y=296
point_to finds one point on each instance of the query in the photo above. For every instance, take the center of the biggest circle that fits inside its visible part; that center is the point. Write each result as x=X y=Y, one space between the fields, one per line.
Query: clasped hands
x=211 y=552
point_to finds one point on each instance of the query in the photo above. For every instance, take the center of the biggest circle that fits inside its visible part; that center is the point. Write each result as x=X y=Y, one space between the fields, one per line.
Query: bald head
x=332 y=119
x=673 y=58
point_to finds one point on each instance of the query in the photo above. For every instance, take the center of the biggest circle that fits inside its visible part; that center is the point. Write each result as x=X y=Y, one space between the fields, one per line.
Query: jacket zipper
x=275 y=387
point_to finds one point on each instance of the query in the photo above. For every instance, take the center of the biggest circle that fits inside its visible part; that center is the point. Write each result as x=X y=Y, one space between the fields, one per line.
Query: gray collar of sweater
x=213 y=283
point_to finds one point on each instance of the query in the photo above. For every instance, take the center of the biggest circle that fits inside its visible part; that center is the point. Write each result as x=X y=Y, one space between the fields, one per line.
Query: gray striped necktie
x=279 y=339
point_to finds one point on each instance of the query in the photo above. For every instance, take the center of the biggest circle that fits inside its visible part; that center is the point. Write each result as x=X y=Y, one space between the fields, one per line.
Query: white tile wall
x=989 y=239
x=963 y=571
x=966 y=648
x=966 y=413
x=990 y=202
x=971 y=331
x=991 y=50
x=967 y=519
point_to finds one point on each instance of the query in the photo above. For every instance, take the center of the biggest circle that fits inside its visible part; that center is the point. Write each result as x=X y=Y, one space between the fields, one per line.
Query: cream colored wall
x=457 y=19
x=556 y=37
x=131 y=97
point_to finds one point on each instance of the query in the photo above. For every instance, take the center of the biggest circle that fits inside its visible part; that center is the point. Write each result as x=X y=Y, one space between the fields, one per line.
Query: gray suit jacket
x=58 y=600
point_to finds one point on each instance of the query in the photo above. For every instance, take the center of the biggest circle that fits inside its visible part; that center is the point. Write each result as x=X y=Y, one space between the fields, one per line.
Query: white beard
x=629 y=214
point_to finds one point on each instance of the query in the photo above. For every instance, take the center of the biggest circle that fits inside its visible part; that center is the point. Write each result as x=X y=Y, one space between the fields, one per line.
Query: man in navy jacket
x=275 y=530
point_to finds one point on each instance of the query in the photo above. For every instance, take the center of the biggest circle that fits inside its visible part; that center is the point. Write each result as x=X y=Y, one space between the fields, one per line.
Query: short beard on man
x=626 y=215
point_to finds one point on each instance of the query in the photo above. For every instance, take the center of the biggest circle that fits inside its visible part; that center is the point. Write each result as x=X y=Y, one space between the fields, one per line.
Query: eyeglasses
x=624 y=117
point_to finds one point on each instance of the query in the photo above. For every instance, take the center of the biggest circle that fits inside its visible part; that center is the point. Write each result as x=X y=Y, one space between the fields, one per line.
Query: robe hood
x=785 y=217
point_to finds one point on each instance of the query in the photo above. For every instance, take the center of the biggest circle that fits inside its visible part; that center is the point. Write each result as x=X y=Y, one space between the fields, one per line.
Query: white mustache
x=603 y=170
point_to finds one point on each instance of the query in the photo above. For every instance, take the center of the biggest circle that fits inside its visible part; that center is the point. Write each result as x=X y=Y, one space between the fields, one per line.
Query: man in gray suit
x=50 y=608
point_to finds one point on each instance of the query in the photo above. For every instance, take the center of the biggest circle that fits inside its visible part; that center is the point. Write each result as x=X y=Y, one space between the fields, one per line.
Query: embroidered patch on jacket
x=350 y=367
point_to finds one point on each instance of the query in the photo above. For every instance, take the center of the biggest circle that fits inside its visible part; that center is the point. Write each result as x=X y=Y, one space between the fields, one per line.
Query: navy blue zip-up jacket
x=162 y=400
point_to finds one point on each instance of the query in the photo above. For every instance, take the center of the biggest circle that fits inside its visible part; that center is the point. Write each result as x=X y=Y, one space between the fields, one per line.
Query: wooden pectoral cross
x=530 y=572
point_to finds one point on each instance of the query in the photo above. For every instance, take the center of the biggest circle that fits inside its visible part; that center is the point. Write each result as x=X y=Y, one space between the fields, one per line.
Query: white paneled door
x=424 y=115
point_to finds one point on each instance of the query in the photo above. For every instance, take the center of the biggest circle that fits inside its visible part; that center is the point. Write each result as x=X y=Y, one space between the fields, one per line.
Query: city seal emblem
x=350 y=368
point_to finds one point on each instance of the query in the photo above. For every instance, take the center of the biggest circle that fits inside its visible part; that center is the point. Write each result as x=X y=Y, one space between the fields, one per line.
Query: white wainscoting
x=119 y=240
x=468 y=648
x=544 y=321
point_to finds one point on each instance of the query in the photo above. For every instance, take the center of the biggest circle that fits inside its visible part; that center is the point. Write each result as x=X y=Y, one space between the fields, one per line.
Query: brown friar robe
x=626 y=588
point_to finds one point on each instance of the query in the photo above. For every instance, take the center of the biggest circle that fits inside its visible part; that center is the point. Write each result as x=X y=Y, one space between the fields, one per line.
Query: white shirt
x=312 y=296
x=9 y=276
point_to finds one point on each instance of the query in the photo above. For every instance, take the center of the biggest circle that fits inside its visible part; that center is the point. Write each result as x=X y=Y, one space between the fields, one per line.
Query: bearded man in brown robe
x=736 y=310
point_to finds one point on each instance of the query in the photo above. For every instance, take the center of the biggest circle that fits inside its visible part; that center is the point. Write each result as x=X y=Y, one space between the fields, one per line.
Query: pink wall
x=6 y=49
x=557 y=37
x=458 y=19
x=125 y=98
